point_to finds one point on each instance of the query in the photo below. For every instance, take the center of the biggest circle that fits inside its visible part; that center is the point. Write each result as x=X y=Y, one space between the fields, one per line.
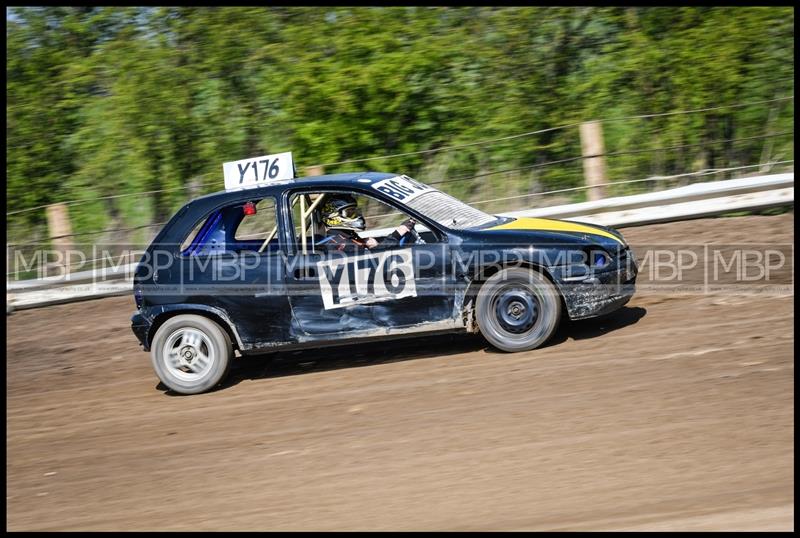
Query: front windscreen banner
x=433 y=203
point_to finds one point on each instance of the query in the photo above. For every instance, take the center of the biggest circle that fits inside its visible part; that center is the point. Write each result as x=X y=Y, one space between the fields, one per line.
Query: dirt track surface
x=676 y=413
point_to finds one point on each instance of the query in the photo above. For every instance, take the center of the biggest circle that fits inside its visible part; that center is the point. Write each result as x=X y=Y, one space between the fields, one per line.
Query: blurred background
x=118 y=116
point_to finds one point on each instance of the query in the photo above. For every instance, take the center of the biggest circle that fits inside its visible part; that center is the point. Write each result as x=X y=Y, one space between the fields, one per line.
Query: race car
x=249 y=270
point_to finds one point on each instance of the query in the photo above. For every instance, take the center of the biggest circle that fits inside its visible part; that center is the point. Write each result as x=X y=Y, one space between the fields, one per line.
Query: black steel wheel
x=518 y=309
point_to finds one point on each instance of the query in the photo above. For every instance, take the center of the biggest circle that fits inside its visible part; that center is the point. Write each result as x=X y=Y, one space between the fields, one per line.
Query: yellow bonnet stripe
x=550 y=225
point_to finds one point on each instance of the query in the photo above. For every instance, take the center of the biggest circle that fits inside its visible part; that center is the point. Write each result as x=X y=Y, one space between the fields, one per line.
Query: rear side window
x=195 y=240
x=260 y=224
x=192 y=235
x=241 y=226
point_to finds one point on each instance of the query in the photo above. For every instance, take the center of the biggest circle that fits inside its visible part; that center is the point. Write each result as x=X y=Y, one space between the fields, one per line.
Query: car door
x=225 y=267
x=339 y=294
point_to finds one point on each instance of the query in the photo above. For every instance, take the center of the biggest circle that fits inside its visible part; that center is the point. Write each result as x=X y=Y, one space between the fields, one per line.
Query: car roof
x=275 y=188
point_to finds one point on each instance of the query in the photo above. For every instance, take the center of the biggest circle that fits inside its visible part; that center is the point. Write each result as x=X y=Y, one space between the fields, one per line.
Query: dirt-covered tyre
x=517 y=309
x=191 y=354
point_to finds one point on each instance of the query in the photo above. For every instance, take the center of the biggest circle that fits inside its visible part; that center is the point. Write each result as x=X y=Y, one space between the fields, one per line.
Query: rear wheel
x=518 y=309
x=191 y=354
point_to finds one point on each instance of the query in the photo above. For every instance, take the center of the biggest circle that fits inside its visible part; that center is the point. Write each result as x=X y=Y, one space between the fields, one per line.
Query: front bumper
x=601 y=292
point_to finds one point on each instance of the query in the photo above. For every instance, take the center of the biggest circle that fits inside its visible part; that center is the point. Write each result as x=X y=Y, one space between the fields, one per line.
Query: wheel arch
x=214 y=315
x=486 y=272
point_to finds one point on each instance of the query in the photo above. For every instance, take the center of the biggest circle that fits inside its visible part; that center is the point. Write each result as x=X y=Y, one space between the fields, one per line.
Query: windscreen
x=449 y=211
x=434 y=204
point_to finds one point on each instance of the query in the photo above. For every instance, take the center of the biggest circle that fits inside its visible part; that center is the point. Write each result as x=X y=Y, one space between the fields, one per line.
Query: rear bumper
x=140 y=326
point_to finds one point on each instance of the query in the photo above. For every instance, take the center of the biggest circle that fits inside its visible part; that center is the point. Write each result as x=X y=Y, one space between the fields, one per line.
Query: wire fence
x=462 y=146
x=699 y=173
x=549 y=129
x=486 y=195
x=464 y=178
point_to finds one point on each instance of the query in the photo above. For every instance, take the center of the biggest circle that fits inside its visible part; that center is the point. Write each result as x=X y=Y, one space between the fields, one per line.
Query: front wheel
x=518 y=309
x=191 y=354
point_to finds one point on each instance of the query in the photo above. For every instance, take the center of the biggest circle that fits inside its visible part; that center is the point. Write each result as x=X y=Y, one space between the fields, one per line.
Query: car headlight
x=597 y=258
x=601 y=259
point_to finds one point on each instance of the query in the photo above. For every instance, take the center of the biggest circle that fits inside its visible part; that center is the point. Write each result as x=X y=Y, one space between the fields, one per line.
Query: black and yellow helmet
x=340 y=211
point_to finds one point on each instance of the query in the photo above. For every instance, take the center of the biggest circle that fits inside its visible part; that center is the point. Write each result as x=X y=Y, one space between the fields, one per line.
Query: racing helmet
x=340 y=211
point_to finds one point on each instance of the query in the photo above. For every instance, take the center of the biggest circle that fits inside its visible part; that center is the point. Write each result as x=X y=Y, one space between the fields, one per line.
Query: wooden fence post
x=195 y=187
x=315 y=170
x=60 y=230
x=594 y=166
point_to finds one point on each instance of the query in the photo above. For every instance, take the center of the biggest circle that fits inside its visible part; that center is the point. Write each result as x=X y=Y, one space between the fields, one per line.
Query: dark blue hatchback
x=252 y=270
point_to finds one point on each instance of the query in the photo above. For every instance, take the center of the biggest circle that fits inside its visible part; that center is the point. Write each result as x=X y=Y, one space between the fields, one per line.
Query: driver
x=342 y=219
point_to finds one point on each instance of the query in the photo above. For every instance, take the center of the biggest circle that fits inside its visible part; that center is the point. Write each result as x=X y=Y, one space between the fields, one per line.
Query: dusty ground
x=675 y=413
